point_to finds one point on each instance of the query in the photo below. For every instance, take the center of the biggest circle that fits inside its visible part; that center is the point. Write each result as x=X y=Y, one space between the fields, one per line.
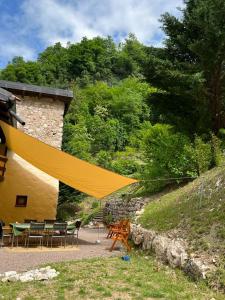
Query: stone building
x=25 y=191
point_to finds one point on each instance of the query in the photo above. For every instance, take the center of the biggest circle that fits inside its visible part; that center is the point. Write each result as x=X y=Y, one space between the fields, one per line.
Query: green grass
x=111 y=278
x=197 y=210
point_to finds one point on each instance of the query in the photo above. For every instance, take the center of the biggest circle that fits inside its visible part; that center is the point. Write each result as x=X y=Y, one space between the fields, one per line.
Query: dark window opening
x=21 y=201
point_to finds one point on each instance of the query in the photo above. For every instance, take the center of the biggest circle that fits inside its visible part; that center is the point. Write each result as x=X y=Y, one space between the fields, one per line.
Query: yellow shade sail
x=79 y=174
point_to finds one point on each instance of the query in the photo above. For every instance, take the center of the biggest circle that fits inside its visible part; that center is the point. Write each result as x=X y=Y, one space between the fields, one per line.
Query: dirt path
x=21 y=259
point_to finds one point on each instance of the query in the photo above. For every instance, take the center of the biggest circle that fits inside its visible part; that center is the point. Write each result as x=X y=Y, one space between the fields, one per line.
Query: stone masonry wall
x=43 y=117
x=123 y=208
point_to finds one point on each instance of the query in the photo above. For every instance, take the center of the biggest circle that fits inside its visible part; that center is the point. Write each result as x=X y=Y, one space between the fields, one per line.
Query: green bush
x=172 y=155
x=95 y=204
x=66 y=211
x=108 y=219
x=166 y=156
x=87 y=217
x=203 y=155
x=217 y=156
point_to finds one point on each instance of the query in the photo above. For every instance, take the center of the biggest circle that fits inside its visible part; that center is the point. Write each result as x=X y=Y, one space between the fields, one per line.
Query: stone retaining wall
x=123 y=208
x=170 y=251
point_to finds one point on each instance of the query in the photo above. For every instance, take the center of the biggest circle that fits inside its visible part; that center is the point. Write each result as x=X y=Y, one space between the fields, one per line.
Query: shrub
x=95 y=204
x=217 y=156
x=166 y=156
x=127 y=162
x=202 y=155
x=67 y=210
x=108 y=219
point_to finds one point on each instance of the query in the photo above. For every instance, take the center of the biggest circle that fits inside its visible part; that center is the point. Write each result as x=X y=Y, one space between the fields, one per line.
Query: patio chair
x=5 y=233
x=115 y=227
x=75 y=232
x=59 y=231
x=29 y=220
x=122 y=235
x=1 y=227
x=49 y=221
x=36 y=231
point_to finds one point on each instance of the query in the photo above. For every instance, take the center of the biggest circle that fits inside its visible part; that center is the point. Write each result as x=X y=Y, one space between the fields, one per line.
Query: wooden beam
x=3 y=158
x=3 y=169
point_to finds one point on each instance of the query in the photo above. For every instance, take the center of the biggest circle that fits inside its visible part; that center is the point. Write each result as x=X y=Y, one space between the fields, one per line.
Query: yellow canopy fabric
x=81 y=175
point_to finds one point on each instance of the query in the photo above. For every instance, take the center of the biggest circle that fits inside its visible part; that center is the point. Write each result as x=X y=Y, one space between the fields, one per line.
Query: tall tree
x=193 y=72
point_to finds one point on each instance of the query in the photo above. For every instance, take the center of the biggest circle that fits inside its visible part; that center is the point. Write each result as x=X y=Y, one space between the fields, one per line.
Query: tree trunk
x=216 y=99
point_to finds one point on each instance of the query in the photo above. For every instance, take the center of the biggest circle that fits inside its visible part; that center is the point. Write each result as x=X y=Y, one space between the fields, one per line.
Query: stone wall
x=43 y=117
x=123 y=208
x=171 y=251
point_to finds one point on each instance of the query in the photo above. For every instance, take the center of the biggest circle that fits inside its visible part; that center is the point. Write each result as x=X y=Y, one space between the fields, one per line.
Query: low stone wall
x=170 y=251
x=123 y=208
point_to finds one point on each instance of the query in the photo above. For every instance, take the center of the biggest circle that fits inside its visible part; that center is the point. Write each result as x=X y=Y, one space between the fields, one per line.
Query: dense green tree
x=102 y=120
x=191 y=75
x=131 y=57
x=92 y=59
x=54 y=62
x=86 y=62
x=19 y=70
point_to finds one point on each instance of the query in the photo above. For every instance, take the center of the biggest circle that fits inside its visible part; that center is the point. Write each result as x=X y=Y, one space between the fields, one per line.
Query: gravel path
x=20 y=259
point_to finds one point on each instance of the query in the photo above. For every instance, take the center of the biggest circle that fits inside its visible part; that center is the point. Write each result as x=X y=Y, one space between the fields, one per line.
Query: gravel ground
x=20 y=259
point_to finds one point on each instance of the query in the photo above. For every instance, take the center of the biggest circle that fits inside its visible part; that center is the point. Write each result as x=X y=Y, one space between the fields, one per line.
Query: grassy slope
x=111 y=278
x=195 y=211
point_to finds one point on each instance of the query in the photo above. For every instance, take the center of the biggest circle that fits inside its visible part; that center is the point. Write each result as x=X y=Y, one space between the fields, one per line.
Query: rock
x=137 y=234
x=37 y=274
x=196 y=269
x=148 y=237
x=159 y=246
x=10 y=273
x=139 y=212
x=176 y=254
x=26 y=278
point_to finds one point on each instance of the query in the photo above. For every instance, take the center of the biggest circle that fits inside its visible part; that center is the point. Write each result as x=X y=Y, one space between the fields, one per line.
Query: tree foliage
x=191 y=72
x=102 y=120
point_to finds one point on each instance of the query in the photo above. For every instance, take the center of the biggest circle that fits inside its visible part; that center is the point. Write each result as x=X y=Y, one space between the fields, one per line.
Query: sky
x=27 y=27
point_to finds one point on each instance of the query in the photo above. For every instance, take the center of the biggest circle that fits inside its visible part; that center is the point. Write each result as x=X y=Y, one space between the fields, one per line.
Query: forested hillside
x=146 y=112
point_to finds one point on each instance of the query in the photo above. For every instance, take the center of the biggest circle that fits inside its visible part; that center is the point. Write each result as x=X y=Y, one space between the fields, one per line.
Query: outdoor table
x=19 y=228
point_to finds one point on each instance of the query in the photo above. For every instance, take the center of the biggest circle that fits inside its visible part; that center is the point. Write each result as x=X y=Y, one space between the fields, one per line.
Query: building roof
x=5 y=95
x=30 y=89
x=7 y=101
x=9 y=91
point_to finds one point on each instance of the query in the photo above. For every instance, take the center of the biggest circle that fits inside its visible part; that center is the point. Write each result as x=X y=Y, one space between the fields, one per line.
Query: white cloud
x=8 y=50
x=70 y=20
x=44 y=22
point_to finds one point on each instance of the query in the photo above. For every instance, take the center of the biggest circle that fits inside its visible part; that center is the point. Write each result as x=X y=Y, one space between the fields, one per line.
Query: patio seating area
x=50 y=233
x=21 y=258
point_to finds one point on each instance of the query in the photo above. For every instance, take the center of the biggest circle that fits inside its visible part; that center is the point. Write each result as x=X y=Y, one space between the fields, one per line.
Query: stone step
x=98 y=217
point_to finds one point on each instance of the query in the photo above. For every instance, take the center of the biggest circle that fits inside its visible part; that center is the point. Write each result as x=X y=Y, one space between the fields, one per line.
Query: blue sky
x=27 y=27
